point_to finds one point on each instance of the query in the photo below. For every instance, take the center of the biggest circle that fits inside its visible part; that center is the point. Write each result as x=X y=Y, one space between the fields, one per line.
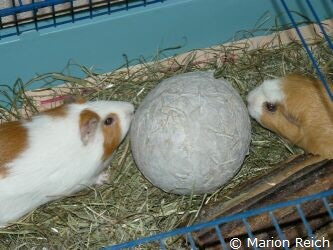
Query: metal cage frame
x=55 y=18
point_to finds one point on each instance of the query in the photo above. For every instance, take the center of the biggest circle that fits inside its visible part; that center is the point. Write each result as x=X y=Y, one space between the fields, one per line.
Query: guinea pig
x=297 y=108
x=57 y=153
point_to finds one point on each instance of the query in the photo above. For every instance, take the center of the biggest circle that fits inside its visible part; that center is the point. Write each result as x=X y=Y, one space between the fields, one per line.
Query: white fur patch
x=268 y=91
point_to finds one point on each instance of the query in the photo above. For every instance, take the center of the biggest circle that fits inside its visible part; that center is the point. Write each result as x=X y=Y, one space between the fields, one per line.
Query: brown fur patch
x=305 y=117
x=88 y=124
x=3 y=172
x=87 y=115
x=283 y=124
x=13 y=141
x=80 y=100
x=74 y=99
x=112 y=136
x=61 y=110
x=57 y=112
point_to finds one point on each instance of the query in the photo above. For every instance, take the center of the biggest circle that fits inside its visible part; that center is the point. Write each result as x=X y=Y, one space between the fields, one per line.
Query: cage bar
x=328 y=208
x=306 y=224
x=191 y=241
x=55 y=17
x=162 y=245
x=315 y=15
x=308 y=51
x=220 y=236
x=277 y=228
x=249 y=232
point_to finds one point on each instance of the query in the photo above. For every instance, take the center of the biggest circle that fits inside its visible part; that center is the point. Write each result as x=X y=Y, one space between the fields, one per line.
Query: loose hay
x=130 y=207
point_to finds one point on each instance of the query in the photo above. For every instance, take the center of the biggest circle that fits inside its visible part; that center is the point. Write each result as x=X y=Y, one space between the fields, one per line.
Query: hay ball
x=190 y=134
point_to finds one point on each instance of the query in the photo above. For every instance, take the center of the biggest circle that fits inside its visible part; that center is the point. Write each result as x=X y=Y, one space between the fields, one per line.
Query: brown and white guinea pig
x=58 y=153
x=297 y=108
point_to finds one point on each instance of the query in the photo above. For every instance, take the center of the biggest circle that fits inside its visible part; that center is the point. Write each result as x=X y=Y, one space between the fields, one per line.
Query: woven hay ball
x=190 y=134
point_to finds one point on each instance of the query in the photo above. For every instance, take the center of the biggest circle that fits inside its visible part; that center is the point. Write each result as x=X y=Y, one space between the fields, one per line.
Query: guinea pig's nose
x=129 y=111
x=248 y=103
x=130 y=114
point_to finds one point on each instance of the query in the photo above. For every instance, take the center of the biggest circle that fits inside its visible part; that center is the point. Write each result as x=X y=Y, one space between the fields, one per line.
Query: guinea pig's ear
x=88 y=125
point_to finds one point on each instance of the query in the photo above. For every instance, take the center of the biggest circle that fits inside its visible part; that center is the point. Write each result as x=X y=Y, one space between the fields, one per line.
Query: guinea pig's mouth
x=130 y=117
x=130 y=113
x=249 y=105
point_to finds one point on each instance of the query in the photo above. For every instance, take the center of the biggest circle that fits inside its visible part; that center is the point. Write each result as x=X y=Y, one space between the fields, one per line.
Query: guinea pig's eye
x=108 y=121
x=271 y=107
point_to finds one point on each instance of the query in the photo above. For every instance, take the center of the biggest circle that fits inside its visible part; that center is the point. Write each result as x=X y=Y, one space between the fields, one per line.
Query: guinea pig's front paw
x=102 y=178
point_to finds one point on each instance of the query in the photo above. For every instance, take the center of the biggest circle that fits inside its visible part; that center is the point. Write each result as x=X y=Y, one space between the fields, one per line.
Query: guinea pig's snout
x=130 y=115
x=130 y=112
x=249 y=102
